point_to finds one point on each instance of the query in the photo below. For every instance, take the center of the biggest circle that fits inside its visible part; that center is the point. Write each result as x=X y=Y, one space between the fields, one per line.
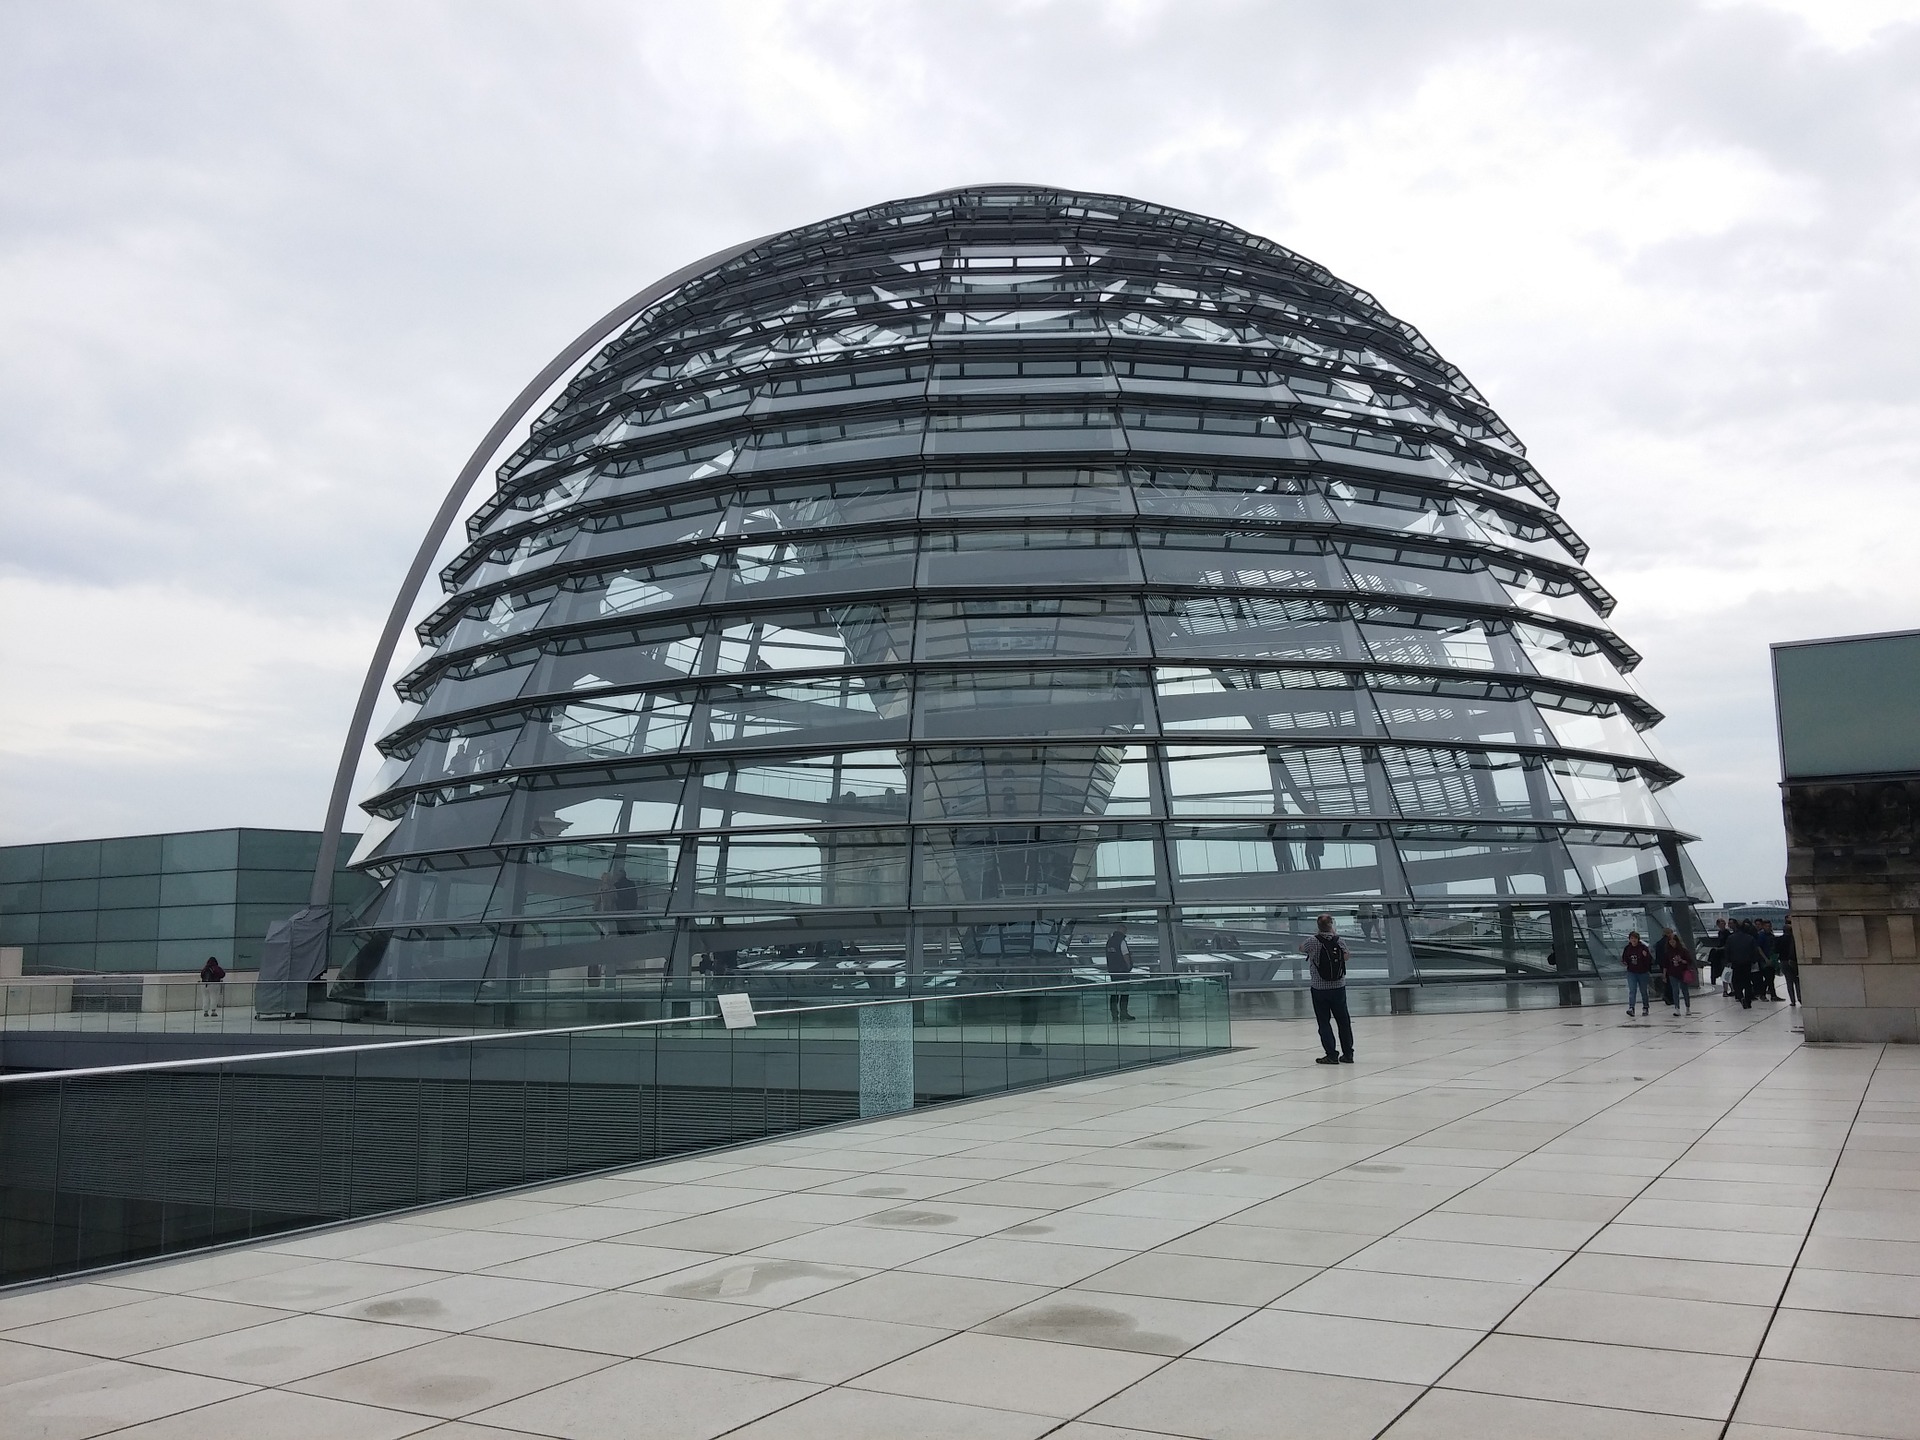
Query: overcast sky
x=267 y=272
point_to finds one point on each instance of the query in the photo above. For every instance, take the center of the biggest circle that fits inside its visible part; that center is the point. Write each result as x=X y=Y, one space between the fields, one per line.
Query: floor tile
x=1271 y=1243
x=794 y=1345
x=1874 y=1342
x=57 y=1302
x=601 y=1264
x=105 y=1395
x=318 y=1284
x=148 y=1324
x=1199 y=1277
x=461 y=1302
x=905 y=1297
x=1458 y=1260
x=665 y=1402
x=180 y=1277
x=1664 y=1382
x=1739 y=1247
x=1833 y=1399
x=1024 y=1262
x=281 y=1415
x=1414 y=1299
x=1147 y=1324
x=1212 y=1401
x=860 y=1245
x=463 y=1251
x=1341 y=1345
x=619 y=1322
x=1031 y=1376
x=752 y=1280
x=1460 y=1415
x=1850 y=1290
x=454 y=1376
x=842 y=1414
x=1662 y=1323
x=1679 y=1279
x=29 y=1362
x=289 y=1349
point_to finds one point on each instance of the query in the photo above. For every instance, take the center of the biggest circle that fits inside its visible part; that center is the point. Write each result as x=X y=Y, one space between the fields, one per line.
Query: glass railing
x=102 y=1167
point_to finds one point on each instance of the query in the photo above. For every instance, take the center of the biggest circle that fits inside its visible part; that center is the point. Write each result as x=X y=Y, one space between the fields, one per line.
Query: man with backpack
x=1119 y=966
x=1327 y=975
x=211 y=974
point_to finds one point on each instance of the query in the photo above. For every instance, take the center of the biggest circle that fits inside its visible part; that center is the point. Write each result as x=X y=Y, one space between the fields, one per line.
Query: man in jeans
x=1327 y=974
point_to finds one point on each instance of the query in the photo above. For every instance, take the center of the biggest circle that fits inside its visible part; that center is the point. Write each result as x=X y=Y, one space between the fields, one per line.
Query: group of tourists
x=1745 y=959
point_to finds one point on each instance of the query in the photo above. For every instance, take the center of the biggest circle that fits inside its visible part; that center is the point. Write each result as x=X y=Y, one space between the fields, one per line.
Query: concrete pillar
x=1853 y=890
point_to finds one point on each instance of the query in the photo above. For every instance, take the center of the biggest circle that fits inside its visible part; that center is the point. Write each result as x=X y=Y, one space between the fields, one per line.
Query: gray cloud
x=266 y=271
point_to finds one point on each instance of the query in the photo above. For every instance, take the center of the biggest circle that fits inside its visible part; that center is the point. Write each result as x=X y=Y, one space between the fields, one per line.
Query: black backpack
x=1330 y=964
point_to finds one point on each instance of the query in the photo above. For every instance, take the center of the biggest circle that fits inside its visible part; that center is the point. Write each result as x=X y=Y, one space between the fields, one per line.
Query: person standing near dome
x=1639 y=962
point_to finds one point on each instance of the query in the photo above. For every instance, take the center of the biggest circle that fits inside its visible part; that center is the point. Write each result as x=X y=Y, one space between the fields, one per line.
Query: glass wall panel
x=1034 y=782
x=1033 y=702
x=1019 y=558
x=1002 y=864
x=844 y=788
x=1105 y=627
x=1440 y=642
x=625 y=878
x=1252 y=627
x=1318 y=703
x=1608 y=795
x=1257 y=862
x=850 y=709
x=570 y=805
x=1470 y=864
x=1493 y=783
x=781 y=568
x=1611 y=732
x=842 y=870
x=1438 y=715
x=605 y=727
x=1266 y=780
x=1238 y=560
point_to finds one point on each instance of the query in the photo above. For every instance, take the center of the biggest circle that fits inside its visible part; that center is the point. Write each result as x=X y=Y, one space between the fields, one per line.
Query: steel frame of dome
x=954 y=582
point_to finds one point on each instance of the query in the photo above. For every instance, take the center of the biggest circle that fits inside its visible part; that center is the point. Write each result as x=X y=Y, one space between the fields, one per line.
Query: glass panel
x=1239 y=561
x=1619 y=869
x=1440 y=642
x=564 y=807
x=1565 y=658
x=1034 y=782
x=1610 y=732
x=1258 y=862
x=1438 y=868
x=450 y=819
x=993 y=703
x=857 y=708
x=862 y=786
x=1101 y=627
x=1485 y=942
x=1421 y=582
x=965 y=865
x=796 y=566
x=1470 y=782
x=823 y=505
x=1266 y=780
x=1268 y=702
x=633 y=590
x=856 y=870
x=1252 y=627
x=1437 y=715
x=419 y=895
x=605 y=727
x=1015 y=558
x=816 y=640
x=1260 y=945
x=626 y=878
x=1609 y=795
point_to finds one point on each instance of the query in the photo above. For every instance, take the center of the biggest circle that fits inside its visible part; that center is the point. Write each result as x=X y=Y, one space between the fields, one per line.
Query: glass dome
x=949 y=584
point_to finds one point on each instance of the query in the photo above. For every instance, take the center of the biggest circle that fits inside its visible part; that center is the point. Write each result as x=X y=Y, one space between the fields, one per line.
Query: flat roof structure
x=1499 y=1224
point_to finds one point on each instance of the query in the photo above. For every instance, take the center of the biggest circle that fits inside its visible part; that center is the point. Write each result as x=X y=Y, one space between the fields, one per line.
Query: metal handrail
x=313 y=1051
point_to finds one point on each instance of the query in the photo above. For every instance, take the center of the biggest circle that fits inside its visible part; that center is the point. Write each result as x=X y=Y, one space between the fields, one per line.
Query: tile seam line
x=1780 y=1300
x=1494 y=1329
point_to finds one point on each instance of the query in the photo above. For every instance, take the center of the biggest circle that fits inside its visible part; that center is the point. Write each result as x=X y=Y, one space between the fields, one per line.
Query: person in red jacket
x=1677 y=963
x=1639 y=962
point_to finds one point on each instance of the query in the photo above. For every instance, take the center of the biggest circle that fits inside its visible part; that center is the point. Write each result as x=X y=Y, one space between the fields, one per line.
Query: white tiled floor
x=1532 y=1223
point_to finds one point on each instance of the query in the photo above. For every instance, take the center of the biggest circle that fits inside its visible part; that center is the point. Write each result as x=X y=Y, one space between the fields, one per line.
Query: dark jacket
x=1637 y=958
x=1742 y=948
x=1788 y=952
x=212 y=973
x=1674 y=960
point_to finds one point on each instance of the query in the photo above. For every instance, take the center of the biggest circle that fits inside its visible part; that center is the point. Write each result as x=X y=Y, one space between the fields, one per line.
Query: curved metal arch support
x=589 y=339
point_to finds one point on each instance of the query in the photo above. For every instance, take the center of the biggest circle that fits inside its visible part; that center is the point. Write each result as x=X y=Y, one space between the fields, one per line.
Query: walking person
x=211 y=976
x=1717 y=954
x=1743 y=957
x=1787 y=952
x=1327 y=976
x=1639 y=962
x=1119 y=966
x=1677 y=962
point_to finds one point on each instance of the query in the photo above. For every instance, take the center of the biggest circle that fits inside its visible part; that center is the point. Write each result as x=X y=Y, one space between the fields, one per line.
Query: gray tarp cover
x=296 y=952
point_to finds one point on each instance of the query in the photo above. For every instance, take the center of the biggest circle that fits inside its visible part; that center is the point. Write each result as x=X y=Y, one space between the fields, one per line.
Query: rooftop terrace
x=1530 y=1223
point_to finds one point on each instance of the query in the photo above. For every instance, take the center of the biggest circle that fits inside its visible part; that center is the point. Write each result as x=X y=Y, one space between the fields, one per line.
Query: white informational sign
x=736 y=1012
